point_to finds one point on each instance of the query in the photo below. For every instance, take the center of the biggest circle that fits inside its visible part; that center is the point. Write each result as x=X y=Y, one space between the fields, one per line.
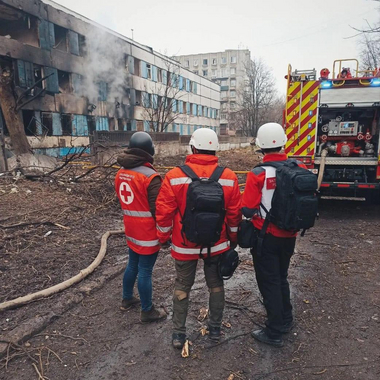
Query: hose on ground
x=65 y=284
x=322 y=167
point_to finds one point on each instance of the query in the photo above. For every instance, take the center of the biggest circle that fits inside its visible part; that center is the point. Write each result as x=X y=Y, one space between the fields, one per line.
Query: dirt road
x=335 y=285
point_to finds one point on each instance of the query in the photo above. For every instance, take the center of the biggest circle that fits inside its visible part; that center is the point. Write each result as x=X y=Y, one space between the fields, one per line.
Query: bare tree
x=369 y=45
x=161 y=99
x=12 y=113
x=257 y=98
x=370 y=51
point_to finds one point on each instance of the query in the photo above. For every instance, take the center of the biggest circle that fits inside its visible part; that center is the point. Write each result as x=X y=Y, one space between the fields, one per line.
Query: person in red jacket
x=272 y=265
x=137 y=185
x=170 y=208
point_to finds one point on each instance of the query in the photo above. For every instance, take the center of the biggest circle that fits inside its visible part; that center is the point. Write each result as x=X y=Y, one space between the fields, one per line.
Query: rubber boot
x=216 y=305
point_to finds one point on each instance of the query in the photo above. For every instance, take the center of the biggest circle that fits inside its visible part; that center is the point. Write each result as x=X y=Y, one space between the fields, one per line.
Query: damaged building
x=72 y=76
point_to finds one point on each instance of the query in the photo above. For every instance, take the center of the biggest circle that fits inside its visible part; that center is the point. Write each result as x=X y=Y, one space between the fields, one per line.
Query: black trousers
x=271 y=269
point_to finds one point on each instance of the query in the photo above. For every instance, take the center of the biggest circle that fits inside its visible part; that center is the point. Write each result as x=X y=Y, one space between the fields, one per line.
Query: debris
x=231 y=377
x=321 y=372
x=27 y=344
x=203 y=314
x=204 y=330
x=48 y=233
x=226 y=324
x=185 y=350
x=306 y=301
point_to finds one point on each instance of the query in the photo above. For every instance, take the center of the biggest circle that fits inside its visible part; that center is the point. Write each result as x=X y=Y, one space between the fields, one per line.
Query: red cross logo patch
x=126 y=194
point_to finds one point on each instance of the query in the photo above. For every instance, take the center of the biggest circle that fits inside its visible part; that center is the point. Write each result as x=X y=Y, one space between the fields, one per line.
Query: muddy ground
x=334 y=278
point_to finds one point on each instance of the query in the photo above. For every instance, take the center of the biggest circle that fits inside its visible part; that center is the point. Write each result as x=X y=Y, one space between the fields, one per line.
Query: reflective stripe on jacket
x=171 y=204
x=140 y=228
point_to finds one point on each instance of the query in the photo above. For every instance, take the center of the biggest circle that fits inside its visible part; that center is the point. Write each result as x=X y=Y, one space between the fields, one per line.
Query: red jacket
x=171 y=204
x=259 y=188
x=140 y=228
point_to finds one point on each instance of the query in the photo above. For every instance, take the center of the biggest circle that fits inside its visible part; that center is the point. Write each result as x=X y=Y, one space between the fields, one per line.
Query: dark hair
x=210 y=152
x=201 y=151
x=272 y=150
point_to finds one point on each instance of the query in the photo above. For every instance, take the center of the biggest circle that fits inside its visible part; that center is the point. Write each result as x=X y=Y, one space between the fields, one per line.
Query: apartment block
x=225 y=68
x=73 y=76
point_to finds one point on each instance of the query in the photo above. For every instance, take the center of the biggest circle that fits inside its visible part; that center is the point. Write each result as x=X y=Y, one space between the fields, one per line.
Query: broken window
x=137 y=67
x=47 y=121
x=67 y=124
x=111 y=124
x=148 y=71
x=130 y=64
x=82 y=45
x=138 y=98
x=18 y=25
x=121 y=125
x=91 y=121
x=60 y=38
x=77 y=83
x=37 y=73
x=30 y=124
x=64 y=82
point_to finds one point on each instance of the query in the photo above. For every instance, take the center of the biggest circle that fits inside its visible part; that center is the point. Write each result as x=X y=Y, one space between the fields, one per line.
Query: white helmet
x=271 y=135
x=204 y=139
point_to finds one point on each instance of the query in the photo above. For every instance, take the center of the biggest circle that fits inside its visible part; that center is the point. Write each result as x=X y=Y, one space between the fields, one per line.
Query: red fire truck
x=333 y=123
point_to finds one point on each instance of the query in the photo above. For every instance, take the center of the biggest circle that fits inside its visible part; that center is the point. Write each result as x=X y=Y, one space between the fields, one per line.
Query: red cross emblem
x=126 y=194
x=274 y=141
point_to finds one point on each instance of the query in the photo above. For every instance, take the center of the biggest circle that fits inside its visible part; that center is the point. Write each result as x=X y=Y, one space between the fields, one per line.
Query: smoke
x=104 y=62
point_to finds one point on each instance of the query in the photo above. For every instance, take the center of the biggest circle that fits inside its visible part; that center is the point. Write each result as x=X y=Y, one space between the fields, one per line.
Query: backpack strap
x=189 y=172
x=217 y=173
x=263 y=231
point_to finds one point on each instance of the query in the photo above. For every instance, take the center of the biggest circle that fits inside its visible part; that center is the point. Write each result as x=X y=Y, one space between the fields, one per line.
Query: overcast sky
x=306 y=33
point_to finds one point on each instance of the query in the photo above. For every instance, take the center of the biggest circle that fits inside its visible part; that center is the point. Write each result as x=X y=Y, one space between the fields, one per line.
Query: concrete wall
x=170 y=148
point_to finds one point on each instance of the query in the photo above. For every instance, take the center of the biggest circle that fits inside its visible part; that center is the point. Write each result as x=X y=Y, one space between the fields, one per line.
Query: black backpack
x=204 y=215
x=294 y=203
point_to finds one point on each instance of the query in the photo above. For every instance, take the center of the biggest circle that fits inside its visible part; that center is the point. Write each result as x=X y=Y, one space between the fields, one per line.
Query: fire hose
x=322 y=167
x=65 y=284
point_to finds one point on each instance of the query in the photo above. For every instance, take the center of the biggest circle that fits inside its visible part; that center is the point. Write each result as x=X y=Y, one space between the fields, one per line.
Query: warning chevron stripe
x=303 y=150
x=302 y=138
x=305 y=106
x=309 y=88
x=305 y=118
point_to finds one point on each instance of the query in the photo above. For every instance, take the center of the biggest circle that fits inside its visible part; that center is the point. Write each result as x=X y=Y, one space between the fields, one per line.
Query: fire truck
x=332 y=123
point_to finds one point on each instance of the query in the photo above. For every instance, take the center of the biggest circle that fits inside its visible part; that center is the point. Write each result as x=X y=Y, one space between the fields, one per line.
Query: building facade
x=226 y=69
x=73 y=76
